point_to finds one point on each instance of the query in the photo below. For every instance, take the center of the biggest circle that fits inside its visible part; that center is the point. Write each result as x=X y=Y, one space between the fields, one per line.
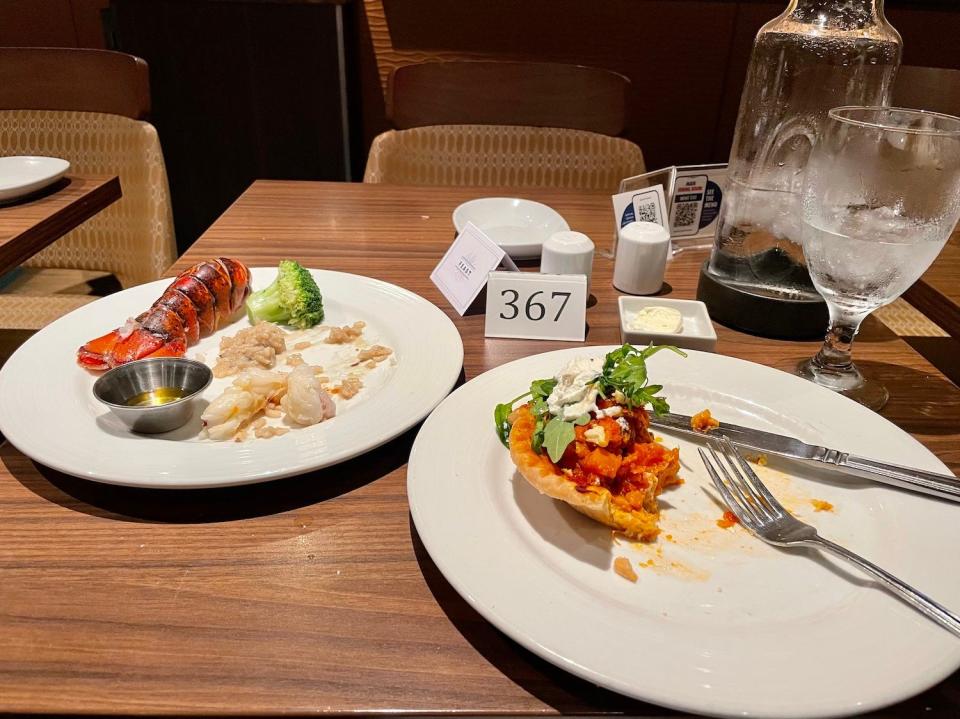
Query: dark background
x=249 y=88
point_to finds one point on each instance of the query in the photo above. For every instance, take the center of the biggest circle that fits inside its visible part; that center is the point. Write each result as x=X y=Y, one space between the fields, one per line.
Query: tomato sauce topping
x=616 y=453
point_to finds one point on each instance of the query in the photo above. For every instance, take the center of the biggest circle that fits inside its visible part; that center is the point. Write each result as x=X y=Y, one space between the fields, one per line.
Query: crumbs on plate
x=345 y=334
x=703 y=421
x=621 y=565
x=727 y=520
x=820 y=505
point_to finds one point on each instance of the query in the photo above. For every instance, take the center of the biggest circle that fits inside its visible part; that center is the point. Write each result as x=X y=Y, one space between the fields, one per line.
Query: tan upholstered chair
x=87 y=106
x=515 y=156
x=523 y=124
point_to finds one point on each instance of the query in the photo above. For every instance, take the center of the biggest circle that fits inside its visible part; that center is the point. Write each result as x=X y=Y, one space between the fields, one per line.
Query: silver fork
x=764 y=516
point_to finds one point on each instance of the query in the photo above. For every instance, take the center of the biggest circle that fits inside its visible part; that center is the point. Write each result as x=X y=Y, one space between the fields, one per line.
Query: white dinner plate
x=23 y=174
x=718 y=622
x=48 y=411
x=519 y=226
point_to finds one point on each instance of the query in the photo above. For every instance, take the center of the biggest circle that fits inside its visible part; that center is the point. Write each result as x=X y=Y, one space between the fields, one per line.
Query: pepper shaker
x=641 y=261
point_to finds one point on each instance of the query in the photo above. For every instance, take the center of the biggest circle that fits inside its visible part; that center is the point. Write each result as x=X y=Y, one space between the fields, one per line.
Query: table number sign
x=462 y=273
x=528 y=305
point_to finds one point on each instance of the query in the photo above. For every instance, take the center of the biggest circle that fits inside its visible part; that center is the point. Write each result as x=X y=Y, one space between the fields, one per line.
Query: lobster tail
x=213 y=275
x=202 y=298
x=198 y=301
x=178 y=302
x=239 y=278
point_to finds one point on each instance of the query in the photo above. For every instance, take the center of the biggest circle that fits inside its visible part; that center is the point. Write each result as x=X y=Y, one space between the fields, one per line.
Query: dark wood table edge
x=14 y=253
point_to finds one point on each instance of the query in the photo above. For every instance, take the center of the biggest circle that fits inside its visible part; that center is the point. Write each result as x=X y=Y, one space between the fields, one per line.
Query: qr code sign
x=647 y=211
x=685 y=214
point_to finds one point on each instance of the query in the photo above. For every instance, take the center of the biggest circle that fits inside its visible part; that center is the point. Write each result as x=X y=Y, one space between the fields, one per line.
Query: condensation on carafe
x=792 y=82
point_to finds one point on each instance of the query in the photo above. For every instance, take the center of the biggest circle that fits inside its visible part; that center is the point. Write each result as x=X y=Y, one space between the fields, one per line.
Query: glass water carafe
x=817 y=55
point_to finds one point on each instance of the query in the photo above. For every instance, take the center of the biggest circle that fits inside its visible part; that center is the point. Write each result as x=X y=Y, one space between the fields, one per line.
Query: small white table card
x=529 y=305
x=462 y=273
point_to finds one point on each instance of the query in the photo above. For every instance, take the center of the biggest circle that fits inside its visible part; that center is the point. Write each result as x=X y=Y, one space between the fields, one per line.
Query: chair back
x=50 y=78
x=86 y=107
x=538 y=94
x=514 y=156
x=928 y=88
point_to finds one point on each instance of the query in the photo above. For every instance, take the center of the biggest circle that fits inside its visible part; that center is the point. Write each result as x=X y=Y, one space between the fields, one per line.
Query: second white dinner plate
x=717 y=622
x=48 y=411
x=21 y=175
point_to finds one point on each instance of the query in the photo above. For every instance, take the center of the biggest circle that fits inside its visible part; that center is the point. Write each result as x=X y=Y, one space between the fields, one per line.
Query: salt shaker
x=641 y=262
x=568 y=253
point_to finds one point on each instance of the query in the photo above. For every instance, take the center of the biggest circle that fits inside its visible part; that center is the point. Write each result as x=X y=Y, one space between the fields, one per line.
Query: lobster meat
x=196 y=303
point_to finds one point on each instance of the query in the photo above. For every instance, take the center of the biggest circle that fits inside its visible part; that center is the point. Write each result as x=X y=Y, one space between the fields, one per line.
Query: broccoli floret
x=293 y=299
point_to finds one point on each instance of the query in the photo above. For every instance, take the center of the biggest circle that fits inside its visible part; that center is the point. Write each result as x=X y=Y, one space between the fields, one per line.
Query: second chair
x=505 y=123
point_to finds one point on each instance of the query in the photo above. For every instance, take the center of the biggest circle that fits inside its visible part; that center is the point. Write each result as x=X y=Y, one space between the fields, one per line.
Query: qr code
x=647 y=212
x=685 y=214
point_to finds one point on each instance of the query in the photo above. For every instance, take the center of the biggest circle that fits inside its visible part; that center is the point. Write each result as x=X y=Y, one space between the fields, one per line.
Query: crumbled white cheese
x=665 y=320
x=624 y=425
x=574 y=394
x=611 y=411
x=597 y=435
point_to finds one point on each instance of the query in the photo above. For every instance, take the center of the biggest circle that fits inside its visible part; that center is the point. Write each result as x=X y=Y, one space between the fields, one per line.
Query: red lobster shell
x=196 y=303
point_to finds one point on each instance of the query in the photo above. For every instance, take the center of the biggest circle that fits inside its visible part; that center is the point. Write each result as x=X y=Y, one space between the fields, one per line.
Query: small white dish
x=518 y=226
x=697 y=332
x=23 y=174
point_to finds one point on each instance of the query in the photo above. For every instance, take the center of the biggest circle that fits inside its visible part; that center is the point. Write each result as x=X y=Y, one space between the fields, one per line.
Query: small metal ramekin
x=119 y=385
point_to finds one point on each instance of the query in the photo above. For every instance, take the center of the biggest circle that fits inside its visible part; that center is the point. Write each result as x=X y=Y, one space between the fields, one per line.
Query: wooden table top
x=29 y=226
x=313 y=594
x=937 y=293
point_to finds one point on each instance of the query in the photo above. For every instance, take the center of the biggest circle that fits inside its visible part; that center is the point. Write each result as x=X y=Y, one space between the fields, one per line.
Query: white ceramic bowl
x=697 y=332
x=518 y=226
x=21 y=175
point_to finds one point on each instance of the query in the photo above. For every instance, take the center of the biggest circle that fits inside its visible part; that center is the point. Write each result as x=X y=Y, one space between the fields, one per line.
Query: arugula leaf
x=625 y=371
x=540 y=411
x=653 y=349
x=557 y=435
x=659 y=405
x=501 y=414
x=536 y=441
x=541 y=388
x=501 y=419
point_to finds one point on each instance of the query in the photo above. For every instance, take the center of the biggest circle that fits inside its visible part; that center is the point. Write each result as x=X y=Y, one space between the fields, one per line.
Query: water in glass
x=881 y=195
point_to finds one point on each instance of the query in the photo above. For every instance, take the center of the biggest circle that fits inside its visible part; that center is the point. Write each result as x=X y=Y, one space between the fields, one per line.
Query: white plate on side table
x=718 y=622
x=519 y=226
x=24 y=174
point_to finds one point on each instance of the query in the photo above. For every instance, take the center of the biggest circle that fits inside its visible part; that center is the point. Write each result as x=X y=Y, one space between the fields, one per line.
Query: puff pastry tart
x=605 y=463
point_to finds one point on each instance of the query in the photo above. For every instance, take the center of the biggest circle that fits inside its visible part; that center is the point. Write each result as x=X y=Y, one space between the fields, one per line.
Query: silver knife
x=917 y=480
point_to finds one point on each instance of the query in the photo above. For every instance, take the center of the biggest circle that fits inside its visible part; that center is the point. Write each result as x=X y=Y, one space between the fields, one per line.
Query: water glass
x=881 y=196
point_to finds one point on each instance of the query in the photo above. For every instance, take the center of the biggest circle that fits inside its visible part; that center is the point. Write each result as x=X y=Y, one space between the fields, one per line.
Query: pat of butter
x=664 y=320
